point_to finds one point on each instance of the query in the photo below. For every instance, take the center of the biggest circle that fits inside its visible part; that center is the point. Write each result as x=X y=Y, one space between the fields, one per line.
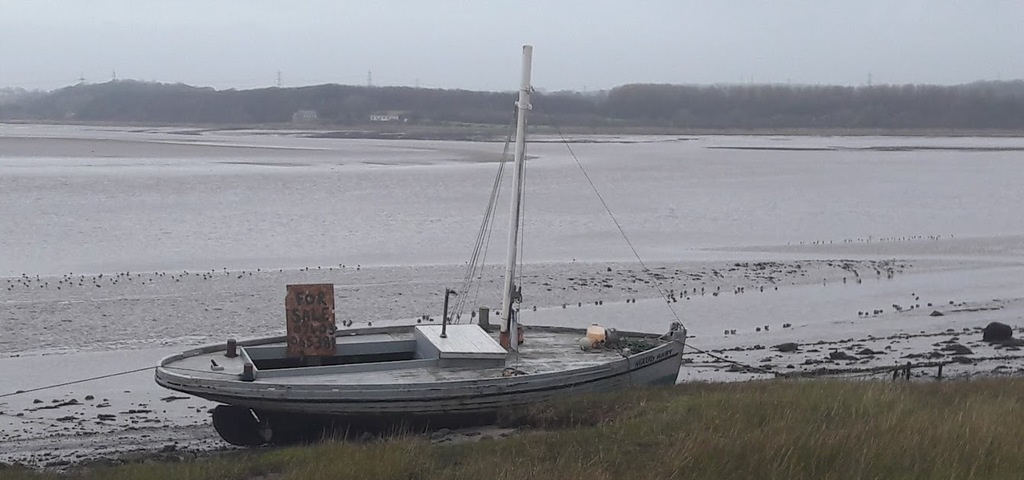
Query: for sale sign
x=311 y=321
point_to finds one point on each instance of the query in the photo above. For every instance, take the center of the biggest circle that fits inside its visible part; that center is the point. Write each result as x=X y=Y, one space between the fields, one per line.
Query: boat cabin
x=453 y=346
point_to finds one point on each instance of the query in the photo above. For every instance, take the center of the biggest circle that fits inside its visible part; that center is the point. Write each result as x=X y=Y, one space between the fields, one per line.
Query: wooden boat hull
x=452 y=397
x=657 y=365
x=308 y=404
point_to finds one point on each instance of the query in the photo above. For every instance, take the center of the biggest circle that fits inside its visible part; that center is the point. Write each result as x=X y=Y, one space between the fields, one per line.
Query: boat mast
x=509 y=320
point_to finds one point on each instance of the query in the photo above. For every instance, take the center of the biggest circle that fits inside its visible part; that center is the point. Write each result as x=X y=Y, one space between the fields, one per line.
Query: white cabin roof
x=463 y=341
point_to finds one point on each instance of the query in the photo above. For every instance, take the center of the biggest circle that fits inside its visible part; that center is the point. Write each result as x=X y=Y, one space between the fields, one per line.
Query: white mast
x=509 y=320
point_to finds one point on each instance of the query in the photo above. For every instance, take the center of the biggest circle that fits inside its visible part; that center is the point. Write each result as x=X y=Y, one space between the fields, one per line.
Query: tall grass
x=772 y=429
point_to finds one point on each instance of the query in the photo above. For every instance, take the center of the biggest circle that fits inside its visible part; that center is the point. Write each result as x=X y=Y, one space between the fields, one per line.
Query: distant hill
x=974 y=106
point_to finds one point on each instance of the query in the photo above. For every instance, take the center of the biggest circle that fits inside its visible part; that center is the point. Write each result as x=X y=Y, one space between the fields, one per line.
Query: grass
x=771 y=429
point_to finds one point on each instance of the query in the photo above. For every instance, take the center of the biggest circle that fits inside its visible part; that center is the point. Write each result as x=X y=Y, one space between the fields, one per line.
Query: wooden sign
x=311 y=322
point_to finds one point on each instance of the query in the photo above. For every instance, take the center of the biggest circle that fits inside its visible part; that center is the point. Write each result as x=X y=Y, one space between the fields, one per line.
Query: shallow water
x=155 y=200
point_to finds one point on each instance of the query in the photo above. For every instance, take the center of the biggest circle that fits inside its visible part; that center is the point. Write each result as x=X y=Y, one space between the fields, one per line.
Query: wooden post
x=939 y=376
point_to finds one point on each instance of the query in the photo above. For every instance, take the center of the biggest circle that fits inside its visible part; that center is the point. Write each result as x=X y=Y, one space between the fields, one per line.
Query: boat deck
x=542 y=352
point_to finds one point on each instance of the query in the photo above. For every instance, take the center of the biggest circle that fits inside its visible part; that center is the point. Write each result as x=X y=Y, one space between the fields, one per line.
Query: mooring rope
x=73 y=382
x=622 y=232
x=734 y=362
x=615 y=220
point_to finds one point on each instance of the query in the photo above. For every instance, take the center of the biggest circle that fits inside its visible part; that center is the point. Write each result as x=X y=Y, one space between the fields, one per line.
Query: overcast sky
x=474 y=44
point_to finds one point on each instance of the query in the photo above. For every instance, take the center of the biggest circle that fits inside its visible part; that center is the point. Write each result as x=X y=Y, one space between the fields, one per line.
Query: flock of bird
x=70 y=280
x=872 y=239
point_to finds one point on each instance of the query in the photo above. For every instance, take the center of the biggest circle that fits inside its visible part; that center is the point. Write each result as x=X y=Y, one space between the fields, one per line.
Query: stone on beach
x=841 y=355
x=787 y=347
x=957 y=349
x=996 y=332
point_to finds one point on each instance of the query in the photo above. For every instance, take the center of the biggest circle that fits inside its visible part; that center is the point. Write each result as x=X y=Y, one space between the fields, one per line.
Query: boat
x=318 y=377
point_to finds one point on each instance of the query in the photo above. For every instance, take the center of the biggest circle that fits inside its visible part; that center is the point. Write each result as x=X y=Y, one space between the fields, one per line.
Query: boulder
x=956 y=349
x=438 y=435
x=935 y=313
x=997 y=332
x=841 y=355
x=787 y=347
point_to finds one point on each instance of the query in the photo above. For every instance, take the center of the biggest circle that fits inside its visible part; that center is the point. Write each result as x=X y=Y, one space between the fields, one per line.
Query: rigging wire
x=522 y=224
x=622 y=232
x=607 y=209
x=483 y=238
x=483 y=262
x=483 y=235
x=487 y=225
x=521 y=241
x=496 y=195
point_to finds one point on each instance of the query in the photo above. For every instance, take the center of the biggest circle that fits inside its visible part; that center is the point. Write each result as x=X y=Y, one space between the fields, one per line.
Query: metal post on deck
x=444 y=317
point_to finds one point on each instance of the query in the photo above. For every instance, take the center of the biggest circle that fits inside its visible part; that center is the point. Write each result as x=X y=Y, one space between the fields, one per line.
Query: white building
x=386 y=117
x=305 y=116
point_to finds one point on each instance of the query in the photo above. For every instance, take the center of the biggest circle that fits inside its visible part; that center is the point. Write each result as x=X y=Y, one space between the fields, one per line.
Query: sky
x=475 y=44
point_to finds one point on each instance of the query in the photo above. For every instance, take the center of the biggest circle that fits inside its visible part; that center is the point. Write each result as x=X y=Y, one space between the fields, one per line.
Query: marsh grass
x=772 y=429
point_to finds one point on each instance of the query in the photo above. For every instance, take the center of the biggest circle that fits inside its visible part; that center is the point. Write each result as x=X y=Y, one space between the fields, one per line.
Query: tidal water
x=91 y=200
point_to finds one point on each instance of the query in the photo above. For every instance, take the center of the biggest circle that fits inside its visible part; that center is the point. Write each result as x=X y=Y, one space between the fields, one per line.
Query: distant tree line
x=990 y=105
x=15 y=94
x=980 y=105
